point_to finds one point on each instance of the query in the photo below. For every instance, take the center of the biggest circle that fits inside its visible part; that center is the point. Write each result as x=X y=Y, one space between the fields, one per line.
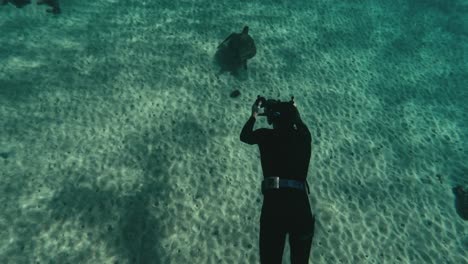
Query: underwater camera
x=271 y=107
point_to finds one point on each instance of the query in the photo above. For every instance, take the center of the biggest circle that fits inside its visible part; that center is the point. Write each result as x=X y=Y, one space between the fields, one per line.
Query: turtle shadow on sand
x=461 y=201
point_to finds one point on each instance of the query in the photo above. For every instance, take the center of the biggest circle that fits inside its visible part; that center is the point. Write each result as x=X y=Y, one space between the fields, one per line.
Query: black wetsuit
x=284 y=211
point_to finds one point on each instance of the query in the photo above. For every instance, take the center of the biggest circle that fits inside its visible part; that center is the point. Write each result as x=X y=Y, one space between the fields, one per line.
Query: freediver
x=285 y=153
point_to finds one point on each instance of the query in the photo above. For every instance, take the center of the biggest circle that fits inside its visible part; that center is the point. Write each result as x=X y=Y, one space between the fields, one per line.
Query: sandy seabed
x=119 y=144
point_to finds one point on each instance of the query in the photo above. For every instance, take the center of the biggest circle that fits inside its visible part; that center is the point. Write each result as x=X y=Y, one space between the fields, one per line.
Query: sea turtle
x=235 y=50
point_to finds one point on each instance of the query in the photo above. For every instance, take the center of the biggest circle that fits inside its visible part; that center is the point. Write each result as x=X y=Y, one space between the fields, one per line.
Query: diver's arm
x=250 y=136
x=247 y=135
x=302 y=127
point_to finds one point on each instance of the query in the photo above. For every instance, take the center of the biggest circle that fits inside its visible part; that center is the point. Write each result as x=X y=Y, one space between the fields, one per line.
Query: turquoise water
x=120 y=143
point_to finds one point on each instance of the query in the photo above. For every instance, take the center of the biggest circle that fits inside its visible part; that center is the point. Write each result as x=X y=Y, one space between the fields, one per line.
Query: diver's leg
x=300 y=249
x=272 y=237
x=301 y=235
x=271 y=244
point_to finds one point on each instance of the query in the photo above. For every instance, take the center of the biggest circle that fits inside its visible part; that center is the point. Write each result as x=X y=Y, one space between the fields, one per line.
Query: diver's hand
x=255 y=110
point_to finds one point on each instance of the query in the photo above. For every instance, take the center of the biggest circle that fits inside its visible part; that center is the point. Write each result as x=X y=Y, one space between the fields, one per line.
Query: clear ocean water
x=119 y=140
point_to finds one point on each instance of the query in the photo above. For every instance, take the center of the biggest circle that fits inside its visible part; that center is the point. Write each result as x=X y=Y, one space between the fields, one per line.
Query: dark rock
x=235 y=94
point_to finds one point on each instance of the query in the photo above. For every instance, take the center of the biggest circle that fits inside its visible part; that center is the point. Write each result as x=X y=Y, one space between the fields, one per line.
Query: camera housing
x=268 y=106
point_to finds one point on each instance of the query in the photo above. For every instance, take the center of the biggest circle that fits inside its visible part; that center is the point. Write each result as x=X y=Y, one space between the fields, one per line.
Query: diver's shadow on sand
x=129 y=224
x=133 y=237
